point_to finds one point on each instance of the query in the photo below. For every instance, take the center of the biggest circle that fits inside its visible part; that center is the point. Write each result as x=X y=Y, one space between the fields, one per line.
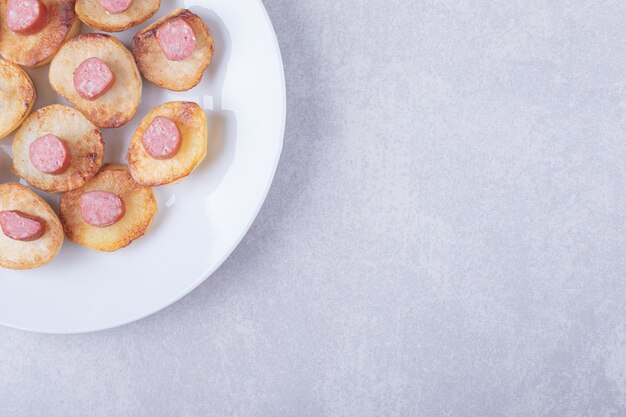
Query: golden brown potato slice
x=141 y=207
x=191 y=121
x=173 y=75
x=93 y=14
x=17 y=96
x=38 y=48
x=83 y=139
x=15 y=254
x=119 y=104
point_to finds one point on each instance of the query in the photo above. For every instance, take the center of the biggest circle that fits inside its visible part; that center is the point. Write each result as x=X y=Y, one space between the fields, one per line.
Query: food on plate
x=168 y=144
x=97 y=74
x=60 y=149
x=17 y=96
x=108 y=212
x=57 y=149
x=32 y=31
x=174 y=51
x=115 y=15
x=30 y=232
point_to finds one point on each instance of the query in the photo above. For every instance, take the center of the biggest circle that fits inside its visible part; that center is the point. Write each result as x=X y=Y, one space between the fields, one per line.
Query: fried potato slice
x=119 y=104
x=17 y=96
x=15 y=254
x=173 y=75
x=93 y=14
x=191 y=121
x=39 y=48
x=141 y=207
x=84 y=141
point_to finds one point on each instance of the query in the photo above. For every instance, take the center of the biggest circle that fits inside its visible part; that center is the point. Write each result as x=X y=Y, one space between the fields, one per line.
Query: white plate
x=201 y=220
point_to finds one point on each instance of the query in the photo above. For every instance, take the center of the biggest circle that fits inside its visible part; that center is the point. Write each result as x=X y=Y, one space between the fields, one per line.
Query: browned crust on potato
x=191 y=122
x=27 y=255
x=173 y=75
x=38 y=49
x=141 y=207
x=83 y=138
x=93 y=14
x=17 y=97
x=118 y=105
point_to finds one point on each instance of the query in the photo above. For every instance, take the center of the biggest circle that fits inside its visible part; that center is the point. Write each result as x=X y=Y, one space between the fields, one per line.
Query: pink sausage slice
x=26 y=16
x=17 y=225
x=162 y=138
x=115 y=6
x=93 y=78
x=176 y=39
x=101 y=208
x=50 y=155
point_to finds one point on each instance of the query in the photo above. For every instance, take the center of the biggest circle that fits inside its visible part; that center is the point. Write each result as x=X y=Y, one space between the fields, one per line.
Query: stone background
x=446 y=234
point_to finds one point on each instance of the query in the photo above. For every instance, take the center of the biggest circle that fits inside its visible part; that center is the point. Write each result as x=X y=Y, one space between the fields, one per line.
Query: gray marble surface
x=446 y=234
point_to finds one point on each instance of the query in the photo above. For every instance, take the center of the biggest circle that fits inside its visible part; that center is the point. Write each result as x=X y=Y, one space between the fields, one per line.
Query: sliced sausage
x=50 y=155
x=26 y=16
x=101 y=208
x=17 y=225
x=93 y=78
x=115 y=6
x=162 y=138
x=176 y=39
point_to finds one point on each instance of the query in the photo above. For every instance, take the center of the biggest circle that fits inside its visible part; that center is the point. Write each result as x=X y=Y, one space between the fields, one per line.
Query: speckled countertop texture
x=445 y=236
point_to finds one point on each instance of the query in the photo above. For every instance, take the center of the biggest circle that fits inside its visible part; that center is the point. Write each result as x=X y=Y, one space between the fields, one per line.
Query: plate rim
x=210 y=271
